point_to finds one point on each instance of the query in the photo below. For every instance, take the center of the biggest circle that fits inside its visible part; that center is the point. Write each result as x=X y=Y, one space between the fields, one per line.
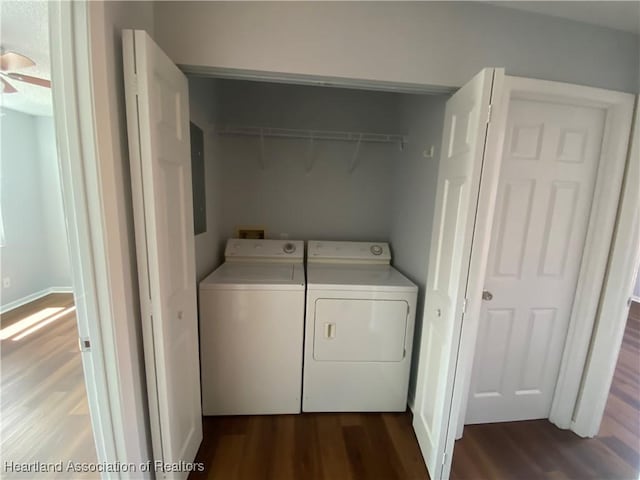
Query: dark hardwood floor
x=45 y=418
x=311 y=446
x=43 y=402
x=383 y=446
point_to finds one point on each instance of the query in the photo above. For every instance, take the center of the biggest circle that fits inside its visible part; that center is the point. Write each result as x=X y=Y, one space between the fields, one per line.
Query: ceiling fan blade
x=7 y=87
x=41 y=82
x=14 y=61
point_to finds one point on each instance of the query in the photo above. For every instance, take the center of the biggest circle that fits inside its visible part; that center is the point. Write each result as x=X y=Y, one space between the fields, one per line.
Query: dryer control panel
x=348 y=252
x=290 y=251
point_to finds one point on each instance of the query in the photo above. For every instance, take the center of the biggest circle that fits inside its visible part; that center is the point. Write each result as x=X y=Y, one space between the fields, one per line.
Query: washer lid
x=256 y=275
x=357 y=277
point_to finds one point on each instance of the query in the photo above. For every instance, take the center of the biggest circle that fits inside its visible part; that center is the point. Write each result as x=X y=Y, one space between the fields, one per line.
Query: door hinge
x=464 y=306
x=84 y=343
x=489 y=113
x=444 y=458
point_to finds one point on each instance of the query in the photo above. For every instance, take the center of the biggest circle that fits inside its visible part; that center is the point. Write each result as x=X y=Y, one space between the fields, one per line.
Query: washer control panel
x=264 y=250
x=289 y=247
x=349 y=252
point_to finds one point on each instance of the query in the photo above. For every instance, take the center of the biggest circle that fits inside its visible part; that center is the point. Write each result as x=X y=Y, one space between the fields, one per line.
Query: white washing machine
x=251 y=329
x=358 y=330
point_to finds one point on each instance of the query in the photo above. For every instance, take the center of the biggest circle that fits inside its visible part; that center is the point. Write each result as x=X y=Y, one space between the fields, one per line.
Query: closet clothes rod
x=265 y=132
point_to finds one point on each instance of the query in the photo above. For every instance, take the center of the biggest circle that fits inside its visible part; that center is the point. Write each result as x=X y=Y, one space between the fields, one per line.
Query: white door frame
x=616 y=298
x=73 y=96
x=618 y=107
x=84 y=190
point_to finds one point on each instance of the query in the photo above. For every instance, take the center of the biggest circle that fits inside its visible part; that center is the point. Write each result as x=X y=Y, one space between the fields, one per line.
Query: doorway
x=593 y=257
x=44 y=408
x=545 y=192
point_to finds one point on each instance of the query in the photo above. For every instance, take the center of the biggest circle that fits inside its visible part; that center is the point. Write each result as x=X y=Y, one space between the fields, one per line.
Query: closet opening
x=305 y=162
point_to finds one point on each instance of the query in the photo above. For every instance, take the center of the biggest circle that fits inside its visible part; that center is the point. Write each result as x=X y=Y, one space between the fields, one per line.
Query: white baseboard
x=635 y=299
x=34 y=296
x=60 y=289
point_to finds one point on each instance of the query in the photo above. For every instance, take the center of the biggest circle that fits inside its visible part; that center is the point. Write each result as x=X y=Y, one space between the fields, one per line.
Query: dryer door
x=354 y=330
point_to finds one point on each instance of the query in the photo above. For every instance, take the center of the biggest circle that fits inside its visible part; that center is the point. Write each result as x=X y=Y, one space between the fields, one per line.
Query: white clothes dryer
x=251 y=329
x=358 y=330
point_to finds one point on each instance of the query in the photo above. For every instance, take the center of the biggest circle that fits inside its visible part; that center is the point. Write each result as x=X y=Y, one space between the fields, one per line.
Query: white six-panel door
x=158 y=126
x=547 y=178
x=465 y=130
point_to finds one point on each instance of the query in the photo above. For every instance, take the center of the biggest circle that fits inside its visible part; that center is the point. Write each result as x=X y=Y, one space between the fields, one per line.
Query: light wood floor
x=43 y=402
x=383 y=446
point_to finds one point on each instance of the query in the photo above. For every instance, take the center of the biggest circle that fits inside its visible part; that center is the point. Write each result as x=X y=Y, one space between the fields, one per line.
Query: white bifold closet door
x=437 y=403
x=157 y=103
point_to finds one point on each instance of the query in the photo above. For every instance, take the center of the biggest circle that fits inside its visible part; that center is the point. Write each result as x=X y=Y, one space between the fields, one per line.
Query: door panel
x=558 y=228
x=545 y=190
x=465 y=131
x=157 y=117
x=518 y=200
x=492 y=350
x=540 y=326
x=360 y=330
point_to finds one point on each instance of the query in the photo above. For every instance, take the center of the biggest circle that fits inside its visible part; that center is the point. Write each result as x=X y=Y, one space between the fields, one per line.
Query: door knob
x=487 y=295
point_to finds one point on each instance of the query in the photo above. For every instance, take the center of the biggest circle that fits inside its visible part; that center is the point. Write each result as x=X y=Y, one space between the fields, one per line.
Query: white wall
x=24 y=252
x=414 y=200
x=107 y=19
x=57 y=248
x=434 y=43
x=203 y=109
x=35 y=256
x=636 y=289
x=325 y=202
